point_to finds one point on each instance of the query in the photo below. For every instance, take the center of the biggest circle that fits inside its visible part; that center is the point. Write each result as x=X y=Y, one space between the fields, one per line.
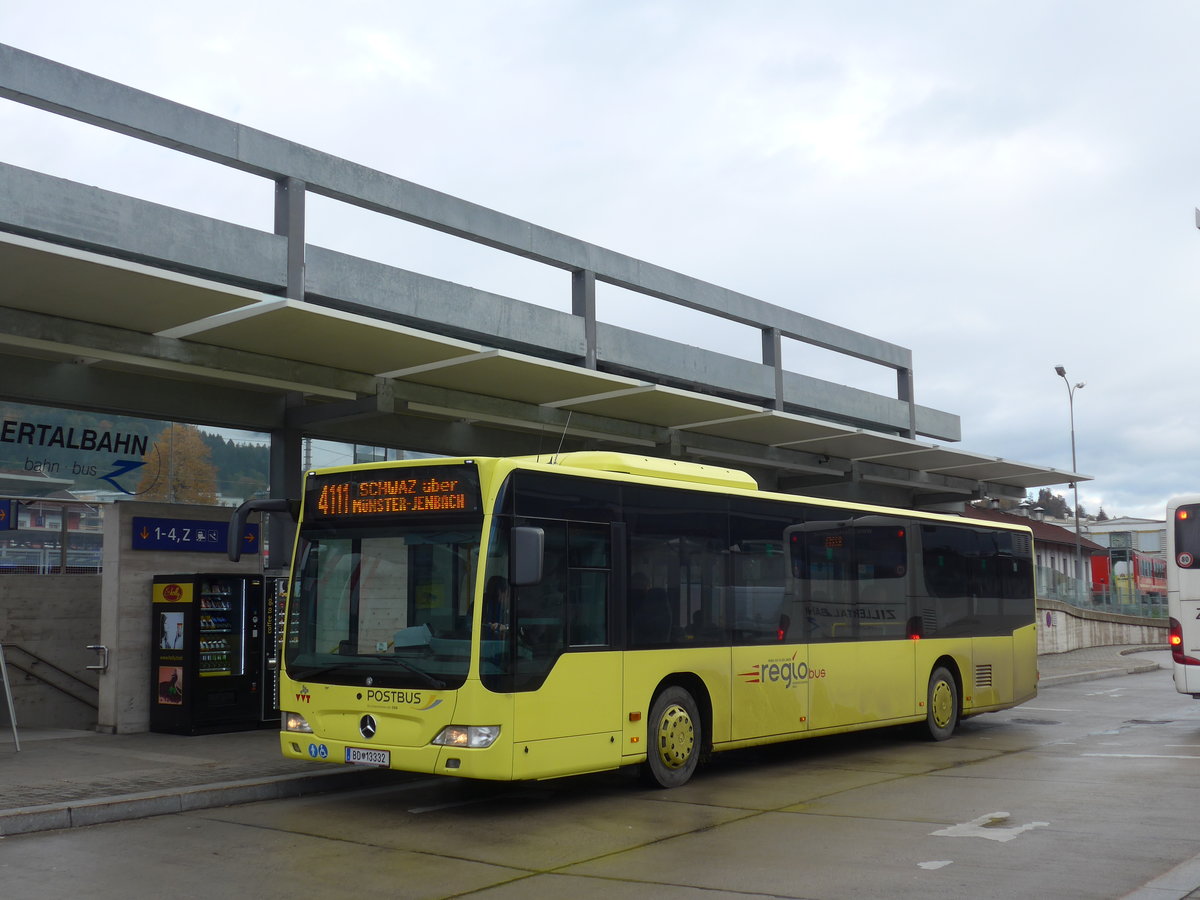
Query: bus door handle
x=103 y=651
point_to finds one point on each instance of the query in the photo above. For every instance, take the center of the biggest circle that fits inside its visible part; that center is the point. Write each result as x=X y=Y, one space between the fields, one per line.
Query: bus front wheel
x=941 y=704
x=674 y=737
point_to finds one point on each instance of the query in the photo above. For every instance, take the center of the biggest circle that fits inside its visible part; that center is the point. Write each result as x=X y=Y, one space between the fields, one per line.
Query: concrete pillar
x=583 y=304
x=289 y=221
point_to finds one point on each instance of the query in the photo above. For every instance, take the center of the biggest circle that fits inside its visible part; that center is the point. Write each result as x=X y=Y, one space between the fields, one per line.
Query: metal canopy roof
x=293 y=329
x=76 y=286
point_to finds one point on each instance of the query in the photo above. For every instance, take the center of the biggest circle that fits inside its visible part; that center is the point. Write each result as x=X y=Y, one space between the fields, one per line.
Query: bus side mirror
x=237 y=522
x=528 y=552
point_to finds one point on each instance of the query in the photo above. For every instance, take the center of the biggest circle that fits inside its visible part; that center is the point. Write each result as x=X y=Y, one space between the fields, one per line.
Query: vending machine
x=207 y=661
x=275 y=595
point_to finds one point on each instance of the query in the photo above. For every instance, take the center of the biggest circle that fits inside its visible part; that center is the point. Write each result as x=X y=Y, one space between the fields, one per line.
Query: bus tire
x=674 y=738
x=941 y=705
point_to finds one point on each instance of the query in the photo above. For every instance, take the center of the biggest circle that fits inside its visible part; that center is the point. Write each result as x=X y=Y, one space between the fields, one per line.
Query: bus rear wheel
x=674 y=736
x=941 y=704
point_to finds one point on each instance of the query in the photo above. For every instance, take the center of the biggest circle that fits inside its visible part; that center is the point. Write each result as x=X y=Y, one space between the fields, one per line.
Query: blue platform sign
x=189 y=535
x=8 y=515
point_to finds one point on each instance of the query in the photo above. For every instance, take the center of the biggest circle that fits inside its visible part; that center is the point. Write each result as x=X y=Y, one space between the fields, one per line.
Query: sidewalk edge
x=79 y=813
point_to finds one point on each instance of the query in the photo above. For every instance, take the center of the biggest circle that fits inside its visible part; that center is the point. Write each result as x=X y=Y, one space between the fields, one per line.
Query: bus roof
x=650 y=467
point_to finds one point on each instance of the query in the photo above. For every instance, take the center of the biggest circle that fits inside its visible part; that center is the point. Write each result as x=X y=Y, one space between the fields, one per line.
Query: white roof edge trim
x=440 y=364
x=638 y=388
x=197 y=326
x=745 y=417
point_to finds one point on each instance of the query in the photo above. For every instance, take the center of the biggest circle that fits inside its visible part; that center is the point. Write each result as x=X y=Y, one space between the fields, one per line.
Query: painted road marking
x=989 y=827
x=1140 y=755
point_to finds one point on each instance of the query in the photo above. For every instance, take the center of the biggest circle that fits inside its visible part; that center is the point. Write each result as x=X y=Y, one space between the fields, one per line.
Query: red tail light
x=1175 y=639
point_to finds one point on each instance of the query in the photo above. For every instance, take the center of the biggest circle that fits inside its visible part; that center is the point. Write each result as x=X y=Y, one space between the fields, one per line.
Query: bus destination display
x=403 y=492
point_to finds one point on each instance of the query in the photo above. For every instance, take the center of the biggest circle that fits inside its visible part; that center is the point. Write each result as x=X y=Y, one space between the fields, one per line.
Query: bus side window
x=826 y=576
x=589 y=608
x=678 y=564
x=589 y=556
x=651 y=617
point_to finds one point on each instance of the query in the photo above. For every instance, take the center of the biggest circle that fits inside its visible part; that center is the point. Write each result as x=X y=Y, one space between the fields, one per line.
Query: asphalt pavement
x=65 y=779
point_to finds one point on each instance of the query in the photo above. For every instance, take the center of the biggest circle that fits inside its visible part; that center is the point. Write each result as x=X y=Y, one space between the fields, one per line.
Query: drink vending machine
x=212 y=634
x=275 y=595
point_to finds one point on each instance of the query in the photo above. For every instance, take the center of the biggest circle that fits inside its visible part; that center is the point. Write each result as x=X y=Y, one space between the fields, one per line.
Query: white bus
x=1183 y=591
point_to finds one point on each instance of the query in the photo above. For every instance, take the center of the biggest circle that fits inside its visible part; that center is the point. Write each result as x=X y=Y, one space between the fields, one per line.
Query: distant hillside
x=243 y=470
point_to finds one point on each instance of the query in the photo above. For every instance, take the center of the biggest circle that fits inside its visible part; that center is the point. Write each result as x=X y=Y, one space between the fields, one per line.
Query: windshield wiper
x=306 y=674
x=359 y=662
x=420 y=673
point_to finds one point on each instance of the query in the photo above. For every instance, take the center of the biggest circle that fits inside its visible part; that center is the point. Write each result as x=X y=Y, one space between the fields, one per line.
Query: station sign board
x=189 y=535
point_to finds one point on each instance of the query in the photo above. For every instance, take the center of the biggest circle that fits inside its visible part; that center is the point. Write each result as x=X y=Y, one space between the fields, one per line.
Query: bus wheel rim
x=676 y=737
x=943 y=704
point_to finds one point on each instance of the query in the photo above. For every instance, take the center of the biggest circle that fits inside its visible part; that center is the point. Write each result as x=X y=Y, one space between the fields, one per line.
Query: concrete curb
x=1055 y=680
x=78 y=813
x=1131 y=668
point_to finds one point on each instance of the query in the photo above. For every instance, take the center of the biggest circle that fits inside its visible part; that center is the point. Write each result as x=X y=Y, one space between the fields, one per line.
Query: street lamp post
x=1071 y=389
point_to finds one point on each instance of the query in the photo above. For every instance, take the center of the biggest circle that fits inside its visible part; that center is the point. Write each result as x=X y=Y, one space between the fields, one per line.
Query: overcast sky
x=1001 y=187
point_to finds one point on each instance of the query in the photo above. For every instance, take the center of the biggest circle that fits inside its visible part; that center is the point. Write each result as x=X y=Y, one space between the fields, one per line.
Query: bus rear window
x=825 y=551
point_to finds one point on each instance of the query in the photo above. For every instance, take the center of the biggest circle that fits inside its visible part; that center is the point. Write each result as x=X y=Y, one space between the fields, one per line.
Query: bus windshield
x=385 y=606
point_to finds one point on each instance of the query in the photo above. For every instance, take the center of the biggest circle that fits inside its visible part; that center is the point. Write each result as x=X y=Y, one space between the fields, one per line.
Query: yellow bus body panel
x=572 y=723
x=1011 y=664
x=853 y=683
x=1025 y=670
x=646 y=670
x=991 y=678
x=770 y=691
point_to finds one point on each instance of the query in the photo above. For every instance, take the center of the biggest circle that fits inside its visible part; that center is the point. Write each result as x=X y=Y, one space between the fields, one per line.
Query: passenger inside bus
x=652 y=619
x=495 y=607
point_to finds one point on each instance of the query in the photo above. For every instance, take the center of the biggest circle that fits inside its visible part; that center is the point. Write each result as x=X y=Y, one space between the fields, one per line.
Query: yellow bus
x=536 y=617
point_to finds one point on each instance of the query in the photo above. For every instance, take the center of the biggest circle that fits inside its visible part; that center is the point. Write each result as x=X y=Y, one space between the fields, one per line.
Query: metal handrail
x=94 y=703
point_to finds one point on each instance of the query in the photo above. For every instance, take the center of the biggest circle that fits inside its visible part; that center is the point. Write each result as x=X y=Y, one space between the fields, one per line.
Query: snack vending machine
x=207 y=667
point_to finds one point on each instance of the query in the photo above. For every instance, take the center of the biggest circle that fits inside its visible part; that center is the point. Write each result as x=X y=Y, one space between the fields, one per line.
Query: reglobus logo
x=787 y=672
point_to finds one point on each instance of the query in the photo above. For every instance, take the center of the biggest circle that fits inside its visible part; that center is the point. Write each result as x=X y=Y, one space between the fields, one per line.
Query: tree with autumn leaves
x=178 y=468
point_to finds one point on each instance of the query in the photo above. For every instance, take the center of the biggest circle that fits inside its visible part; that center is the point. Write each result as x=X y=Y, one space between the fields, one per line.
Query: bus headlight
x=296 y=722
x=475 y=736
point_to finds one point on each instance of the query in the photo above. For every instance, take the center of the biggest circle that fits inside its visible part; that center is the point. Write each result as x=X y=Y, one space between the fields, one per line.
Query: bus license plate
x=361 y=756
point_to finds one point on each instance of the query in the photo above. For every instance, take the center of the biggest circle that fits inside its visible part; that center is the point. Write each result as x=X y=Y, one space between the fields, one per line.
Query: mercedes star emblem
x=366 y=726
